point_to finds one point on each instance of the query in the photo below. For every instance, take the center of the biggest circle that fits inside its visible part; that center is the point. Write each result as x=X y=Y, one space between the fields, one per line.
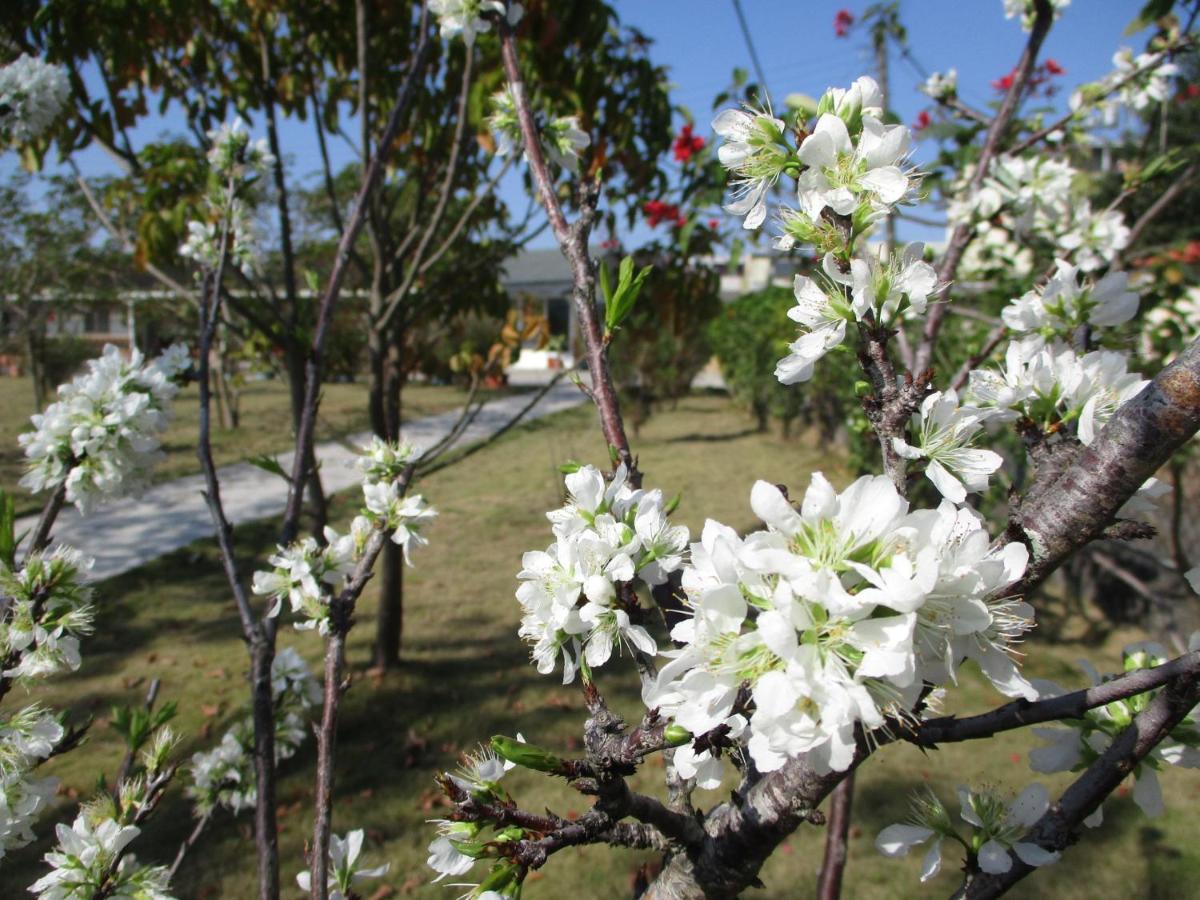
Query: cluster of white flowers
x=224 y=776
x=90 y=861
x=1168 y=326
x=577 y=595
x=1025 y=9
x=456 y=848
x=101 y=437
x=32 y=94
x=1052 y=385
x=945 y=435
x=468 y=17
x=875 y=289
x=1033 y=197
x=235 y=162
x=26 y=738
x=49 y=609
x=994 y=254
x=562 y=138
x=344 y=870
x=1145 y=81
x=834 y=617
x=941 y=86
x=305 y=572
x=1065 y=303
x=997 y=825
x=850 y=163
x=1080 y=741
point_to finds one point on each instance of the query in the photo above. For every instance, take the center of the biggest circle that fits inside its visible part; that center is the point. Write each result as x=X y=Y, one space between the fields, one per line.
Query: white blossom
x=32 y=94
x=940 y=85
x=1025 y=9
x=945 y=433
x=1065 y=303
x=86 y=860
x=576 y=595
x=469 y=17
x=50 y=610
x=756 y=153
x=344 y=869
x=101 y=437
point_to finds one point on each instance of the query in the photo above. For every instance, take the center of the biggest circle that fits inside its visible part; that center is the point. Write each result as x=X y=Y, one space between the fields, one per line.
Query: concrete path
x=130 y=532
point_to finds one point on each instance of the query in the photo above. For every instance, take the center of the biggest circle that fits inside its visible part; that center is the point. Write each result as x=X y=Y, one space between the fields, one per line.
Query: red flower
x=923 y=121
x=714 y=224
x=1053 y=68
x=842 y=22
x=658 y=212
x=610 y=244
x=1005 y=83
x=686 y=143
x=1190 y=92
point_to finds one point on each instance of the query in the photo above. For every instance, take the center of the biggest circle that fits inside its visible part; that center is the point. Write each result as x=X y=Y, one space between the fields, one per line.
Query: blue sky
x=700 y=42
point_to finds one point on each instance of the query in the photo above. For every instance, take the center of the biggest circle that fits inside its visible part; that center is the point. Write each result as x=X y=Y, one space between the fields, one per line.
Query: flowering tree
x=817 y=641
x=805 y=647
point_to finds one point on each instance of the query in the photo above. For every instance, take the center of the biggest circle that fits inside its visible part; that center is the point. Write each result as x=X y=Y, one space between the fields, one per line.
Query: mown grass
x=266 y=425
x=466 y=676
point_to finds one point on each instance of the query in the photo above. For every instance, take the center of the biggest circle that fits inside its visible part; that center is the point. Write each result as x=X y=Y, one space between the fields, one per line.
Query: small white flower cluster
x=305 y=572
x=941 y=86
x=456 y=848
x=1065 y=303
x=1081 y=741
x=1025 y=9
x=562 y=138
x=577 y=595
x=90 y=861
x=834 y=618
x=851 y=164
x=32 y=94
x=945 y=435
x=101 y=437
x=875 y=290
x=1169 y=326
x=50 y=609
x=235 y=162
x=1052 y=385
x=468 y=17
x=224 y=776
x=343 y=858
x=1145 y=82
x=26 y=738
x=997 y=826
x=1033 y=197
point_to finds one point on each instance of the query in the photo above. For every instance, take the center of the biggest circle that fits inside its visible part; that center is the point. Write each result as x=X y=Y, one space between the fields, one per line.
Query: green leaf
x=8 y=535
x=1152 y=11
x=605 y=283
x=268 y=463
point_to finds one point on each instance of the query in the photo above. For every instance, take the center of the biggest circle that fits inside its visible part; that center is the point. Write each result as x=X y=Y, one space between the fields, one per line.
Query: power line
x=762 y=80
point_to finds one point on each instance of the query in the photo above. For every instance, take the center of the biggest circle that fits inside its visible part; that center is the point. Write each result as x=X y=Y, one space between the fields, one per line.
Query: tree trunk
x=389 y=626
x=294 y=358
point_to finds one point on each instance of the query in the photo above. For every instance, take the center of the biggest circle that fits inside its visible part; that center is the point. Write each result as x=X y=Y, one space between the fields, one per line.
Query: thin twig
x=837 y=835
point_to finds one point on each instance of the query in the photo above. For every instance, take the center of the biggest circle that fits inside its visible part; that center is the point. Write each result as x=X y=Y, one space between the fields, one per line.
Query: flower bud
x=529 y=756
x=676 y=735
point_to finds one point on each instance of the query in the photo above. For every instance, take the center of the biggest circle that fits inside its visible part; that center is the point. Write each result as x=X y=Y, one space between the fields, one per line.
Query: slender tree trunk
x=295 y=361
x=389 y=626
x=266 y=825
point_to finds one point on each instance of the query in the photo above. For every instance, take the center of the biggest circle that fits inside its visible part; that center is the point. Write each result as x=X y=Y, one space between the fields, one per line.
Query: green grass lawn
x=467 y=677
x=266 y=425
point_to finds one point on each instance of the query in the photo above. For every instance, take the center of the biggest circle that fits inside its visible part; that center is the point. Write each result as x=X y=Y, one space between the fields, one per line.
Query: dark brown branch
x=1027 y=142
x=1156 y=208
x=313 y=370
x=40 y=539
x=1056 y=830
x=573 y=242
x=1023 y=713
x=829 y=884
x=188 y=843
x=990 y=343
x=961 y=237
